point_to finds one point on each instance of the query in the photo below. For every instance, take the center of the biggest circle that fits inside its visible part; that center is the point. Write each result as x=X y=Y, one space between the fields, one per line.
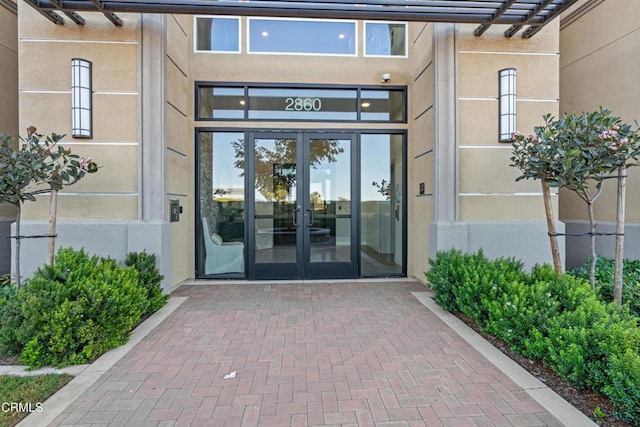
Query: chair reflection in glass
x=221 y=257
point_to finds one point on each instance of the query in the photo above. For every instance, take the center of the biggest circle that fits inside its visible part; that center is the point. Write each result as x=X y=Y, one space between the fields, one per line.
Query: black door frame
x=356 y=214
x=302 y=268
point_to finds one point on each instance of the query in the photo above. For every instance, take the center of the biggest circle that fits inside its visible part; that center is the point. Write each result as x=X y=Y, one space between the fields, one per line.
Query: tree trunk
x=592 y=229
x=53 y=216
x=18 y=240
x=551 y=225
x=617 y=287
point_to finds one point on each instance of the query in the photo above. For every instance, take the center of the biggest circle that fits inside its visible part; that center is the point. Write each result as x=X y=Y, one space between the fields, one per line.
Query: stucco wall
x=478 y=202
x=45 y=102
x=92 y=209
x=599 y=47
x=179 y=143
x=420 y=150
x=8 y=109
x=488 y=190
x=8 y=69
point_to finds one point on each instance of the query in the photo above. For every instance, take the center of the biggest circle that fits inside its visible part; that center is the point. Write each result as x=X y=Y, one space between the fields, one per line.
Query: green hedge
x=555 y=318
x=605 y=269
x=77 y=309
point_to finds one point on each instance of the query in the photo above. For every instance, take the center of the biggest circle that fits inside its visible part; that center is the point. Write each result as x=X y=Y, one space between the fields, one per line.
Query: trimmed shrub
x=624 y=385
x=555 y=318
x=605 y=270
x=7 y=289
x=73 y=311
x=461 y=280
x=149 y=277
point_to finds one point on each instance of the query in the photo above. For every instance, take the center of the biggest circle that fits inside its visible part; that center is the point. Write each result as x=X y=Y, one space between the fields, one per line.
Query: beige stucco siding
x=9 y=72
x=45 y=102
x=8 y=111
x=598 y=67
x=312 y=69
x=179 y=154
x=85 y=206
x=420 y=149
x=487 y=186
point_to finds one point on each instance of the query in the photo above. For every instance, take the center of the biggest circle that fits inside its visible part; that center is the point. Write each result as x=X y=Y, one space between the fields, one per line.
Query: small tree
x=579 y=152
x=37 y=162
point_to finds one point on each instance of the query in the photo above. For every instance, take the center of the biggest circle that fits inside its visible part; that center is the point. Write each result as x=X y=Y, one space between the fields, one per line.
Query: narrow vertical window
x=81 y=102
x=507 y=104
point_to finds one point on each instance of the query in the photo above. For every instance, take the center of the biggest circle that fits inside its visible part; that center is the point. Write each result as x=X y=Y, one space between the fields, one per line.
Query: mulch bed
x=584 y=400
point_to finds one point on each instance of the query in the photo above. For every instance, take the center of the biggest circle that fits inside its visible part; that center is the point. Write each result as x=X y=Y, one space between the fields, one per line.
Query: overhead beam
x=49 y=14
x=115 y=19
x=400 y=10
x=70 y=14
x=517 y=13
x=533 y=30
x=515 y=28
x=484 y=27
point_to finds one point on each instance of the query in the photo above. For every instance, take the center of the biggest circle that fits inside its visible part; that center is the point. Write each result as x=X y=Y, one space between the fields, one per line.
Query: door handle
x=310 y=218
x=295 y=216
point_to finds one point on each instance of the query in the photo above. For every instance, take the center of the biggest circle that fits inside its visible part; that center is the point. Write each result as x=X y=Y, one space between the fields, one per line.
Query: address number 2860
x=303 y=104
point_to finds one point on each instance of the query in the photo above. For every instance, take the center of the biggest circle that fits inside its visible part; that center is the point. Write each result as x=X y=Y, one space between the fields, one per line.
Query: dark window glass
x=302 y=104
x=221 y=103
x=309 y=104
x=382 y=105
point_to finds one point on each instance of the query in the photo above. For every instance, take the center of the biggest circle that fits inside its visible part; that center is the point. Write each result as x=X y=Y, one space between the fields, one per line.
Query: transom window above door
x=220 y=101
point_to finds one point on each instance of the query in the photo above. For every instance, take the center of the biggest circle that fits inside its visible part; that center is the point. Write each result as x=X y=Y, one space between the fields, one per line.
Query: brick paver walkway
x=305 y=354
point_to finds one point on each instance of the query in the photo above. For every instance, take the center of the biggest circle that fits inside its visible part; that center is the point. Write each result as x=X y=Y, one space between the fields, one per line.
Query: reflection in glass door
x=329 y=231
x=302 y=206
x=275 y=206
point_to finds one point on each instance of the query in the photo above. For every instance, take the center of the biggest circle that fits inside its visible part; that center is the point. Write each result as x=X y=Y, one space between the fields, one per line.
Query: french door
x=301 y=209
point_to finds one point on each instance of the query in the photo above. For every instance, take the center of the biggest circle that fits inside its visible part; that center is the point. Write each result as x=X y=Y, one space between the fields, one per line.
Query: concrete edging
x=549 y=399
x=89 y=374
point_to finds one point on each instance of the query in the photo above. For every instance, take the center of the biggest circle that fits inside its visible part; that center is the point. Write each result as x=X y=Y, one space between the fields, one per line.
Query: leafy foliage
x=149 y=277
x=604 y=276
x=275 y=166
x=576 y=149
x=38 y=160
x=553 y=317
x=77 y=309
x=578 y=152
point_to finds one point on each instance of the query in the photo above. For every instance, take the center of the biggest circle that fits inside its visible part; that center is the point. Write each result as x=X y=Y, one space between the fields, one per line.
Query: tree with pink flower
x=579 y=152
x=39 y=165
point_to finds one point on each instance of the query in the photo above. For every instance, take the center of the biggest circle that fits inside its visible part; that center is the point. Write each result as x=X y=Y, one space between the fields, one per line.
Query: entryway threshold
x=213 y=282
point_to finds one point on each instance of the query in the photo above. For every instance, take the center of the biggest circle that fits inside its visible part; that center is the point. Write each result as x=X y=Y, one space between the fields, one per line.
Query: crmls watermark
x=21 y=407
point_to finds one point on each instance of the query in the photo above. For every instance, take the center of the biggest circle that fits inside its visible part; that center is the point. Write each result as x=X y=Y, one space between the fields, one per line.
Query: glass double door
x=301 y=208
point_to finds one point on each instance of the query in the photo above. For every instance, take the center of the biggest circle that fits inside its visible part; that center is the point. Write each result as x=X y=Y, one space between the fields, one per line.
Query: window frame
x=359 y=89
x=347 y=55
x=212 y=17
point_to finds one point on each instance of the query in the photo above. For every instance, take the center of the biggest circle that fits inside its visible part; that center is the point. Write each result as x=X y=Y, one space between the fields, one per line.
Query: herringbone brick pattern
x=305 y=354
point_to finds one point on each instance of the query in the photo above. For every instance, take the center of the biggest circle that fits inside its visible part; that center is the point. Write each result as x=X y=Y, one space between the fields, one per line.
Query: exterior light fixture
x=507 y=104
x=81 y=102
